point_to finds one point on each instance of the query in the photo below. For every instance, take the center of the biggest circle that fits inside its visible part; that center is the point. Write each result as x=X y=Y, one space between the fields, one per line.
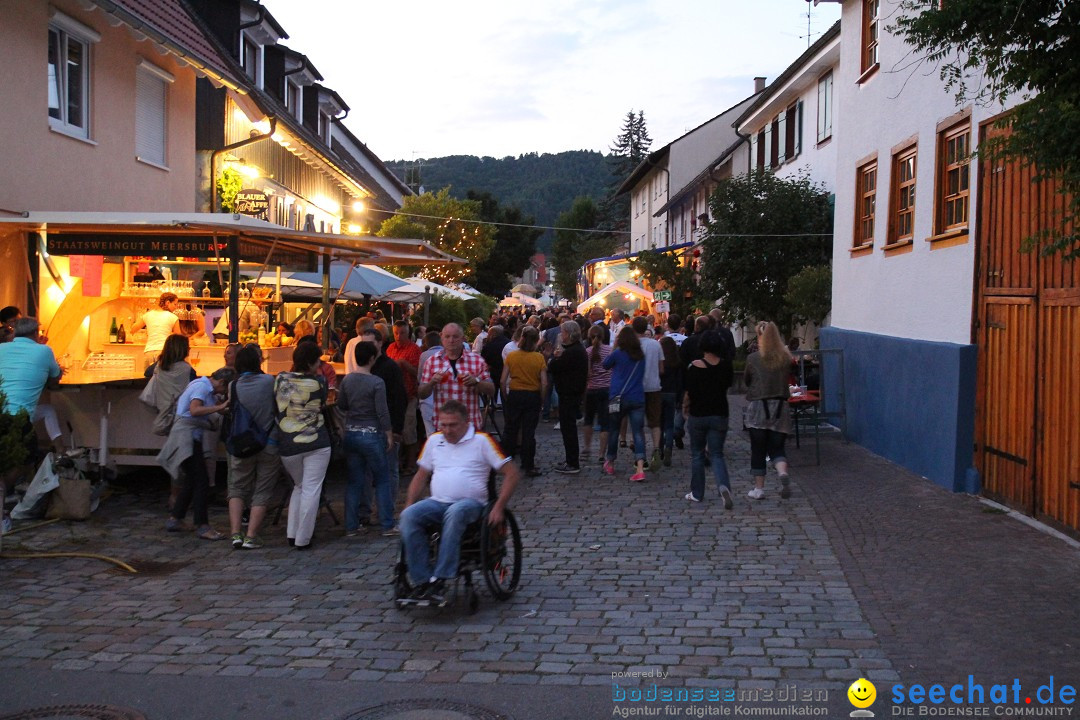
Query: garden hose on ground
x=6 y=555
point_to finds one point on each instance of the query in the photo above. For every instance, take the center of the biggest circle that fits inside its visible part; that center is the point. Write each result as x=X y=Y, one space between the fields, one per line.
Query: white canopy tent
x=520 y=300
x=619 y=286
x=414 y=291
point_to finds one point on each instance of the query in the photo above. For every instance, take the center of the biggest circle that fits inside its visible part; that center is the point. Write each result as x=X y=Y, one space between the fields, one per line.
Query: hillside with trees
x=540 y=186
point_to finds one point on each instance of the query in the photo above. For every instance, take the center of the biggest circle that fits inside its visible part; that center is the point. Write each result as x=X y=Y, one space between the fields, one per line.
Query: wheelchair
x=493 y=551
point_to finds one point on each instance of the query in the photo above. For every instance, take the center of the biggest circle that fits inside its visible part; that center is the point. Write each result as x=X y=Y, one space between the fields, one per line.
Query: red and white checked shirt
x=452 y=388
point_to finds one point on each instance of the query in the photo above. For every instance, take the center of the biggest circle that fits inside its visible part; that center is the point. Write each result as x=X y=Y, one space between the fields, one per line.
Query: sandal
x=208 y=533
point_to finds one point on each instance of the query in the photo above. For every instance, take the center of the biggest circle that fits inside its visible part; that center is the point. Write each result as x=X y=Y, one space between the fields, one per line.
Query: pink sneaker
x=609 y=467
x=637 y=477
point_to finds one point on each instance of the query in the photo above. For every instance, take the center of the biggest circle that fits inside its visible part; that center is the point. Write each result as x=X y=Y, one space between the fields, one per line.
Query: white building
x=790 y=126
x=914 y=317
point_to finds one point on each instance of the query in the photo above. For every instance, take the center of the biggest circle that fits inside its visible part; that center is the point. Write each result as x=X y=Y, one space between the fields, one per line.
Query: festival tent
x=413 y=291
x=520 y=300
x=362 y=280
x=619 y=286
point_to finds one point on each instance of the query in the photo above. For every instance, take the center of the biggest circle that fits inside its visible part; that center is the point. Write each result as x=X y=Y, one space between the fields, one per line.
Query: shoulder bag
x=615 y=403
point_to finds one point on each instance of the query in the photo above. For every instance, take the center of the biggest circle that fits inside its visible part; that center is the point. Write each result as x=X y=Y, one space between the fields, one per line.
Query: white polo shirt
x=460 y=470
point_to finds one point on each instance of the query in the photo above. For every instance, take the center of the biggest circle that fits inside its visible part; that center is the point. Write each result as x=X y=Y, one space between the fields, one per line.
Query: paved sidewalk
x=865 y=571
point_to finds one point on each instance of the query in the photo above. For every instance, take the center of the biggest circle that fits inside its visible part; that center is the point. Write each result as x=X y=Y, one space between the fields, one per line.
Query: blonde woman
x=524 y=380
x=767 y=415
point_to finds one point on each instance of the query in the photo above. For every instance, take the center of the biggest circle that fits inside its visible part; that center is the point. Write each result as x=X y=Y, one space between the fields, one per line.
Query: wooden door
x=1028 y=331
x=1007 y=408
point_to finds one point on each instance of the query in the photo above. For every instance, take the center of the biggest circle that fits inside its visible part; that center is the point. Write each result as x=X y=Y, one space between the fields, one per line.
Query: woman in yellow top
x=524 y=381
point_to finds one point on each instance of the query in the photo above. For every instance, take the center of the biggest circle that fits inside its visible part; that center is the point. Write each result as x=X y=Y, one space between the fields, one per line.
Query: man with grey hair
x=26 y=368
x=569 y=368
x=616 y=324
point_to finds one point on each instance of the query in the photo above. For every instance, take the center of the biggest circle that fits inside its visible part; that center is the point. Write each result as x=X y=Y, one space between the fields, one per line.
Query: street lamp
x=427 y=303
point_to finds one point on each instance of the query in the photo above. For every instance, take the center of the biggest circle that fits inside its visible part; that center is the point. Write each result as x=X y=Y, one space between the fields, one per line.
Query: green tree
x=664 y=271
x=577 y=242
x=809 y=294
x=515 y=244
x=763 y=230
x=990 y=50
x=449 y=224
x=631 y=146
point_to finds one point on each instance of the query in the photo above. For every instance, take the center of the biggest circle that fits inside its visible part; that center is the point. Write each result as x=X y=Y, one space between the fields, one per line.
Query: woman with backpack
x=303 y=439
x=253 y=473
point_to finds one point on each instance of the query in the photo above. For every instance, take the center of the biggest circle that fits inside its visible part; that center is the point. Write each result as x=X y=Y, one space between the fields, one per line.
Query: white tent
x=413 y=291
x=520 y=300
x=619 y=286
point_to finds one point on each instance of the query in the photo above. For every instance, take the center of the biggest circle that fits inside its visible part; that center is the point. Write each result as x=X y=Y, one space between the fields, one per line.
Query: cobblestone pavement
x=865 y=571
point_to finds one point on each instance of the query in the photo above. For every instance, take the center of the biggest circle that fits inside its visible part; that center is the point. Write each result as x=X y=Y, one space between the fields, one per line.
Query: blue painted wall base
x=910 y=401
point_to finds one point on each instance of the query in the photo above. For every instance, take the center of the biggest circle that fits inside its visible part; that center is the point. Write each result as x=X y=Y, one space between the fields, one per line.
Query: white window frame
x=149 y=71
x=825 y=107
x=254 y=74
x=67 y=30
x=325 y=123
x=296 y=108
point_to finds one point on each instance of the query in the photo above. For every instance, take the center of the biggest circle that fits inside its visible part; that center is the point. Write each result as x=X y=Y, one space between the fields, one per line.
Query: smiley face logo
x=862 y=693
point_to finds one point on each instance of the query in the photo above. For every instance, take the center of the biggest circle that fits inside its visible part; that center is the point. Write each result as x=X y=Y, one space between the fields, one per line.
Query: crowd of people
x=616 y=377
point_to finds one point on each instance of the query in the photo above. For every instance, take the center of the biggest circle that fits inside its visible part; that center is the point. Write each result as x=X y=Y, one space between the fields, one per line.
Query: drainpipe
x=215 y=205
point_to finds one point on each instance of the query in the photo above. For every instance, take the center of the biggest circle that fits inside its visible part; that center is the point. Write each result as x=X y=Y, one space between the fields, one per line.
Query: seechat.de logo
x=862 y=695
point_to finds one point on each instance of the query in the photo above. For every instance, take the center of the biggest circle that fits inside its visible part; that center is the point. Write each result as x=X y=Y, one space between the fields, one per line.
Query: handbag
x=148 y=395
x=614 y=406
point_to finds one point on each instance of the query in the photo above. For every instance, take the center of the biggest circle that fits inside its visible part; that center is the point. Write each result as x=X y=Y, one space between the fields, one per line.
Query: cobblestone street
x=867 y=571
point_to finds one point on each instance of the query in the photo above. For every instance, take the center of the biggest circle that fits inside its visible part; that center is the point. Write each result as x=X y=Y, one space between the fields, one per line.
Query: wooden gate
x=1028 y=331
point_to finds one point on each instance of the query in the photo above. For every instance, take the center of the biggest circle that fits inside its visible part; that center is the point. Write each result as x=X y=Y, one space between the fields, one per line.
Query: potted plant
x=16 y=438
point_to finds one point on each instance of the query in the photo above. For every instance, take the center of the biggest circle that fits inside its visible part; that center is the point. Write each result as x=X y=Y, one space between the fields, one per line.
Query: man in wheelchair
x=457 y=462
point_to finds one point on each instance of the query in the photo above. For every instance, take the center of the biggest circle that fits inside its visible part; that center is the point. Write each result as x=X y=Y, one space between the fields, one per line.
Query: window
x=902 y=210
x=292 y=99
x=870 y=35
x=251 y=58
x=151 y=111
x=954 y=180
x=324 y=127
x=824 y=107
x=865 y=204
x=69 y=75
x=792 y=131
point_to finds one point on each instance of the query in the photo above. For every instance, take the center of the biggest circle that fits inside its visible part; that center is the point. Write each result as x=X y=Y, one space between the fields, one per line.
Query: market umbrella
x=524 y=288
x=363 y=280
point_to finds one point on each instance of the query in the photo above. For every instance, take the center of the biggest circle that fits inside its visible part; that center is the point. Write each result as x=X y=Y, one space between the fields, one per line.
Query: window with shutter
x=151 y=107
x=824 y=107
x=782 y=137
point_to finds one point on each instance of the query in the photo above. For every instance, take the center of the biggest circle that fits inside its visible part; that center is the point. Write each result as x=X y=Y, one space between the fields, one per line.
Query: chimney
x=759 y=84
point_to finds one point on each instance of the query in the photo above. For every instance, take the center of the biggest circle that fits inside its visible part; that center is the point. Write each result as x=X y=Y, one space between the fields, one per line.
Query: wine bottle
x=121 y=335
x=112 y=330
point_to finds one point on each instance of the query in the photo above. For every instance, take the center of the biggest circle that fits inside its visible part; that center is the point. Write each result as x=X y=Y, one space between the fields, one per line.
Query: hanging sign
x=252 y=203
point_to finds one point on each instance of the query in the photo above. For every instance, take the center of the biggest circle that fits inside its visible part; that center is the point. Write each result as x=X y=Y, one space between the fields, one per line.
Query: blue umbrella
x=361 y=281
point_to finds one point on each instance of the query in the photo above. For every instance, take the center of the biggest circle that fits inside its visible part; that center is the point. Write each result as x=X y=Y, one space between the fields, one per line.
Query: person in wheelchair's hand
x=456 y=461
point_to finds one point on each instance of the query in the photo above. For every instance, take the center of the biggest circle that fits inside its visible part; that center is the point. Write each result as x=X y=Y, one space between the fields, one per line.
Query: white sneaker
x=690 y=496
x=756 y=494
x=558 y=426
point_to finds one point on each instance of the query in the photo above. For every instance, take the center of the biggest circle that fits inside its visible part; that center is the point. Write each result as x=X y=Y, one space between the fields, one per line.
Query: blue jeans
x=710 y=431
x=366 y=453
x=636 y=413
x=417 y=523
x=667 y=421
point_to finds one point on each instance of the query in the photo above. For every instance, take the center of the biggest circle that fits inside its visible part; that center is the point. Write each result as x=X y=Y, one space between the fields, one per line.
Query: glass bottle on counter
x=112 y=330
x=121 y=334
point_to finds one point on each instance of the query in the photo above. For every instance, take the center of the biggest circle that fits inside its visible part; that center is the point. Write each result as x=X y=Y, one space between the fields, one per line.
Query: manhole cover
x=80 y=712
x=151 y=567
x=426 y=710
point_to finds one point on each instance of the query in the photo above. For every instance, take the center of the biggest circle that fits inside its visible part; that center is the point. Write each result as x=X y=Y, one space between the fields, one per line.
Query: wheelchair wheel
x=500 y=556
x=402 y=587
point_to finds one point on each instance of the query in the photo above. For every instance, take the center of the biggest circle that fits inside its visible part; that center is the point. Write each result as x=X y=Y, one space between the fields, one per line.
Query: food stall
x=92 y=273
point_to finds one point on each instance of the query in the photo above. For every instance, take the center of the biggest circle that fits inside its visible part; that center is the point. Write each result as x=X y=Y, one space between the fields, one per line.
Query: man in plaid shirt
x=457 y=374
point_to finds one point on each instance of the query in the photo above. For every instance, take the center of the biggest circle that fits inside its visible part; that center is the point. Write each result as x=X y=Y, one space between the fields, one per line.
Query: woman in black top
x=705 y=405
x=671 y=384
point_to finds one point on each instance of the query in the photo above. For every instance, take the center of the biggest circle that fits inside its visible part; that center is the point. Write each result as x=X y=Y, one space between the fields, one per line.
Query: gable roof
x=167 y=23
x=791 y=70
